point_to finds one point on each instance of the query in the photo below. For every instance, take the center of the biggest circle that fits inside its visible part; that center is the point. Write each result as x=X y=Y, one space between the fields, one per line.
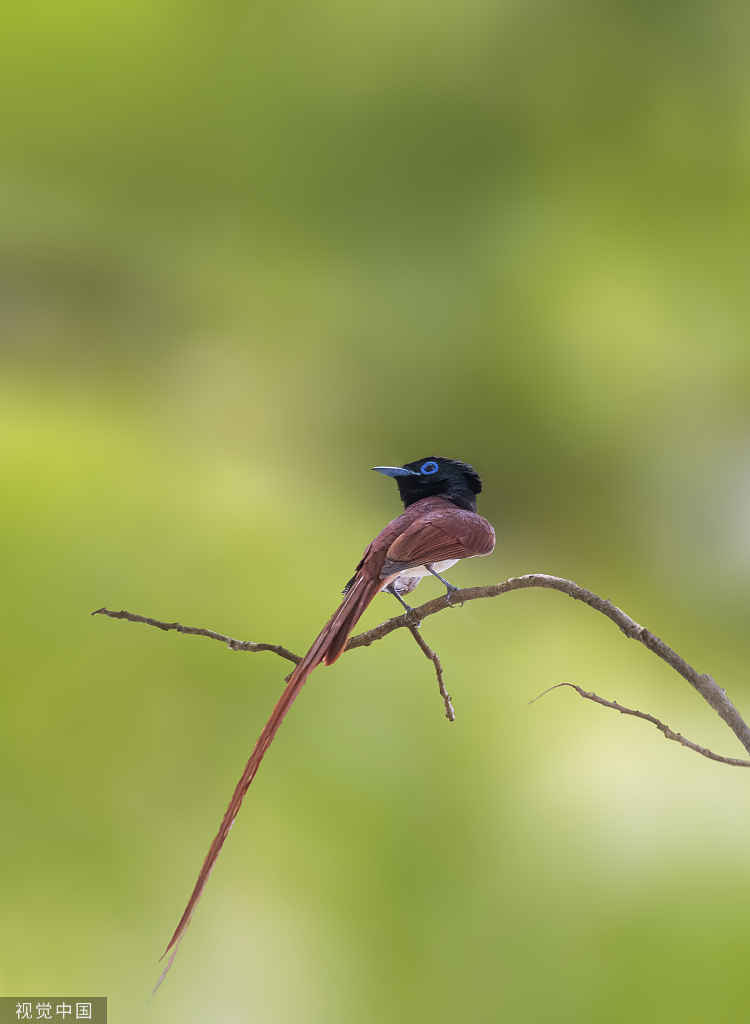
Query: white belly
x=418 y=571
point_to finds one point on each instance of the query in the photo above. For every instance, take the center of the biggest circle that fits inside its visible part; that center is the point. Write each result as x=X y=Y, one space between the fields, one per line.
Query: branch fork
x=705 y=685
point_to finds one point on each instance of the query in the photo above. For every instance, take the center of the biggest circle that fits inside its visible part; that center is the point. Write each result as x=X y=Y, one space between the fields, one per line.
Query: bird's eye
x=429 y=467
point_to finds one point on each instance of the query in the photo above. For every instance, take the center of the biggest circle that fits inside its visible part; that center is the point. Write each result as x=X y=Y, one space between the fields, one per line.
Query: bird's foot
x=410 y=615
x=450 y=589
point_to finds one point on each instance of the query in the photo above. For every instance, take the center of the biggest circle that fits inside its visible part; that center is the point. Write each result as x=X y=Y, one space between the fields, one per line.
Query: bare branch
x=713 y=694
x=233 y=645
x=428 y=652
x=676 y=736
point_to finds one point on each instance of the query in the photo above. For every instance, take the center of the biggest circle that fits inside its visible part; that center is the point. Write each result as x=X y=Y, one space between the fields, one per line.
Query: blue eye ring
x=429 y=468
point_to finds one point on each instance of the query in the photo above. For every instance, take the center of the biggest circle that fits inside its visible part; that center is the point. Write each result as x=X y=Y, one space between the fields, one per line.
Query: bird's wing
x=438 y=538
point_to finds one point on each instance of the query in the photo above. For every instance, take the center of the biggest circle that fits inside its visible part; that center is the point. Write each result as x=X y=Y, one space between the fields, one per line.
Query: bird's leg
x=407 y=607
x=449 y=586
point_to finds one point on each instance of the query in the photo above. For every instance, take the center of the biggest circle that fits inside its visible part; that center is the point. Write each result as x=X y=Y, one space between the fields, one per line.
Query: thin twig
x=232 y=644
x=713 y=694
x=676 y=736
x=706 y=686
x=428 y=652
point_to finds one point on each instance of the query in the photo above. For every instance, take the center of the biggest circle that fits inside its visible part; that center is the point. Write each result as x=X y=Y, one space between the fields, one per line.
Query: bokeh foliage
x=247 y=251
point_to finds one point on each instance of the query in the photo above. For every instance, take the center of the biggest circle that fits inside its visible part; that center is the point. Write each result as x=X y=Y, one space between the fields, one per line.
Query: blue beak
x=394 y=471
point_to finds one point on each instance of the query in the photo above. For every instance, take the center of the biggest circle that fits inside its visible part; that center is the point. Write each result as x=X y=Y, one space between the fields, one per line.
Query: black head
x=456 y=481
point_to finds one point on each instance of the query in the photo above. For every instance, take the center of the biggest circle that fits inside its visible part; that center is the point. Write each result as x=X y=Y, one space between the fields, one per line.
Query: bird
x=439 y=525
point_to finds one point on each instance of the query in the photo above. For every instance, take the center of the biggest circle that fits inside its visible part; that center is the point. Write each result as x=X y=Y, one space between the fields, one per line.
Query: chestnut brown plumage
x=438 y=526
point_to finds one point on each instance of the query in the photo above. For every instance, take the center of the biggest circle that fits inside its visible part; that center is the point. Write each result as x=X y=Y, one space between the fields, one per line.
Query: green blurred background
x=249 y=250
